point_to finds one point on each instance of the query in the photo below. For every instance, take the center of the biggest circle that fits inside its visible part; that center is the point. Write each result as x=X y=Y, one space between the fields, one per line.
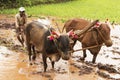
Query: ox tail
x=80 y=32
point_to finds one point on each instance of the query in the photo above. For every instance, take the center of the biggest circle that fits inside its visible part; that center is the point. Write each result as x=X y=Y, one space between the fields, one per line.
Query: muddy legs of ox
x=72 y=44
x=52 y=63
x=44 y=62
x=84 y=55
x=29 y=52
x=34 y=53
x=94 y=52
x=31 y=58
x=94 y=58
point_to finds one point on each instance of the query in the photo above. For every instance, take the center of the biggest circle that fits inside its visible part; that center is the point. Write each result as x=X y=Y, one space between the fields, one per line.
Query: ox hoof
x=82 y=59
x=30 y=63
x=33 y=58
x=93 y=62
x=36 y=63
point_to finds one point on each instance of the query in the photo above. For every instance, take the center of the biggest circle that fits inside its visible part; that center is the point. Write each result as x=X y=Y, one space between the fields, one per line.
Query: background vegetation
x=16 y=3
x=90 y=9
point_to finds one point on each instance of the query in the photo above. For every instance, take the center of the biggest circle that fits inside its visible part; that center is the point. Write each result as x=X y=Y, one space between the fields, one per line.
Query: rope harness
x=55 y=42
x=98 y=45
x=94 y=36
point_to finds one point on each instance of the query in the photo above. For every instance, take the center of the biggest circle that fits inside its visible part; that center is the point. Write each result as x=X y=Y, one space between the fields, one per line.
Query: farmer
x=20 y=22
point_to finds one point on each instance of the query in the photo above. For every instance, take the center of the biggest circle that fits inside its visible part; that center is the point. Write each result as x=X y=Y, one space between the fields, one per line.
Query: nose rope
x=55 y=42
x=59 y=51
x=98 y=45
x=88 y=47
x=101 y=35
x=95 y=37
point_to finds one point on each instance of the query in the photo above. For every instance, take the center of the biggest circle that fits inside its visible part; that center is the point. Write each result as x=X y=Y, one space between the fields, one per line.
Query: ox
x=39 y=38
x=93 y=38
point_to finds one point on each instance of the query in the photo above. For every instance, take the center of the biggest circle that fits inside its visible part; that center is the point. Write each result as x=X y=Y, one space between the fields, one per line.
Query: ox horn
x=55 y=33
x=58 y=27
x=80 y=32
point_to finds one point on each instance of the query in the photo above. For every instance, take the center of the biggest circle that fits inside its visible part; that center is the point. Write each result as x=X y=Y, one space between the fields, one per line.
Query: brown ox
x=93 y=38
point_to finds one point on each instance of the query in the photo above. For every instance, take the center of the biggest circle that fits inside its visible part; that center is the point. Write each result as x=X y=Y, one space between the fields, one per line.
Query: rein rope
x=98 y=45
x=88 y=48
x=101 y=34
x=55 y=42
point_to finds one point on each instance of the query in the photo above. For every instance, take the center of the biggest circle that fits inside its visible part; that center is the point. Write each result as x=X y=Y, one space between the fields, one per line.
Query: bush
x=17 y=3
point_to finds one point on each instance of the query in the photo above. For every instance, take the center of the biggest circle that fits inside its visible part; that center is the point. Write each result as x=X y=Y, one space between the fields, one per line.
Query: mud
x=107 y=67
x=14 y=60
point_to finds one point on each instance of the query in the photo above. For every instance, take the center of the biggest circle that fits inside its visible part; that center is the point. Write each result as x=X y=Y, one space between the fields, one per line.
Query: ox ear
x=97 y=25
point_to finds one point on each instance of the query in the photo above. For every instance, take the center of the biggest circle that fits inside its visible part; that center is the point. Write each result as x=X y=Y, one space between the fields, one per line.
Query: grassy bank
x=90 y=9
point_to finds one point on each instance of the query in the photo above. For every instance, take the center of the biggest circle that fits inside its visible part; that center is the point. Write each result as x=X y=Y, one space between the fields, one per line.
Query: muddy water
x=14 y=66
x=9 y=66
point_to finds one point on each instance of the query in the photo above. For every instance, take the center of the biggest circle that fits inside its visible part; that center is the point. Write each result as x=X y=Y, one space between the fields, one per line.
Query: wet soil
x=14 y=60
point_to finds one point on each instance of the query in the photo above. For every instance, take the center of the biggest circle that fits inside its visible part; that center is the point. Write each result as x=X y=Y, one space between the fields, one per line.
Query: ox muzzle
x=108 y=43
x=65 y=55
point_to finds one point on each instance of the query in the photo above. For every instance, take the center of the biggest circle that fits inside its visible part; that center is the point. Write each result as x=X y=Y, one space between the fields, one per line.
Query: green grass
x=90 y=9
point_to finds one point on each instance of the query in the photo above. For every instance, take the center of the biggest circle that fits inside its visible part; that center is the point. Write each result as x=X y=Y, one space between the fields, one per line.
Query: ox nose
x=66 y=56
x=109 y=43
